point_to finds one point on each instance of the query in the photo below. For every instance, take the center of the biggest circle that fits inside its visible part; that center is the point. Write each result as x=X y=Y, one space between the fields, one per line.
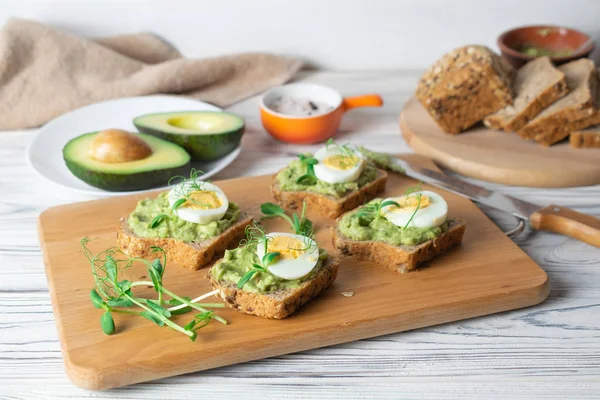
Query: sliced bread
x=464 y=86
x=587 y=138
x=400 y=258
x=537 y=85
x=281 y=303
x=191 y=255
x=555 y=122
x=327 y=205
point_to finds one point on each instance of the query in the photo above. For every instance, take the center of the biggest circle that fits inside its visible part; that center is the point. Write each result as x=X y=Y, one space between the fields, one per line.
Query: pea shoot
x=115 y=295
x=309 y=161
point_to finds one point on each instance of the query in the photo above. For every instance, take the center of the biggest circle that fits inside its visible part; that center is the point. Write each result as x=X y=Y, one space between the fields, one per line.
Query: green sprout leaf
x=157 y=220
x=269 y=258
x=158 y=267
x=244 y=279
x=152 y=317
x=97 y=300
x=309 y=178
x=107 y=323
x=110 y=265
x=271 y=209
x=158 y=308
x=178 y=204
x=120 y=302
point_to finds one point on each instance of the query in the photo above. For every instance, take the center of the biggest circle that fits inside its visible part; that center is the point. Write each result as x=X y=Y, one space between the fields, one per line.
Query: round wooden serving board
x=497 y=156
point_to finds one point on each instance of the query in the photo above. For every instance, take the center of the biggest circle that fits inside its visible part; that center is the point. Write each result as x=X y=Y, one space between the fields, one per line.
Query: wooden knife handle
x=567 y=222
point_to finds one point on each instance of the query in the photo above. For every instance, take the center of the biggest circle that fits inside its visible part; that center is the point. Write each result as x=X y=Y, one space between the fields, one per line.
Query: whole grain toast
x=327 y=205
x=279 y=304
x=400 y=258
x=191 y=255
x=464 y=86
x=557 y=121
x=537 y=85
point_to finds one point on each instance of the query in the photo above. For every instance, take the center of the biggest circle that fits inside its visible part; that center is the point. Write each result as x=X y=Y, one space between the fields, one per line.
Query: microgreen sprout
x=115 y=295
x=183 y=191
x=417 y=192
x=374 y=209
x=300 y=225
x=157 y=220
x=309 y=161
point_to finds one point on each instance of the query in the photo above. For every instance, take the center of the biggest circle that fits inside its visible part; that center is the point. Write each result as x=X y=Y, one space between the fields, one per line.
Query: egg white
x=433 y=215
x=331 y=175
x=198 y=216
x=296 y=268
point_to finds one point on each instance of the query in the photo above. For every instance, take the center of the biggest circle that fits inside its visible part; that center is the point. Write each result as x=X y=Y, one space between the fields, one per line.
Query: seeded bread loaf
x=588 y=138
x=279 y=304
x=191 y=255
x=558 y=120
x=537 y=85
x=399 y=258
x=464 y=86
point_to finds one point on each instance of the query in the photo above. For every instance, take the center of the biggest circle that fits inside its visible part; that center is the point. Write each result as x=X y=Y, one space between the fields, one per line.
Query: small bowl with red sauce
x=561 y=44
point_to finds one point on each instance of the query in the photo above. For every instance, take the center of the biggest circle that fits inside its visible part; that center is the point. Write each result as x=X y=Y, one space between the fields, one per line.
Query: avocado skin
x=126 y=182
x=202 y=147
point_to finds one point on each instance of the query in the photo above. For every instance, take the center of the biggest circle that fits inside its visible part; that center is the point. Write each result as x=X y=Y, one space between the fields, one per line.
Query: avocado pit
x=118 y=146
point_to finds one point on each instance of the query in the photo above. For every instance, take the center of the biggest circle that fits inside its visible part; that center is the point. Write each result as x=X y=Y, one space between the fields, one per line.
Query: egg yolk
x=410 y=203
x=341 y=162
x=203 y=200
x=290 y=248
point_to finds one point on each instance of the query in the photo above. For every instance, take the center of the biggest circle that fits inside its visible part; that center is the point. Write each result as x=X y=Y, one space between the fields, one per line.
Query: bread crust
x=280 y=304
x=401 y=259
x=329 y=206
x=191 y=255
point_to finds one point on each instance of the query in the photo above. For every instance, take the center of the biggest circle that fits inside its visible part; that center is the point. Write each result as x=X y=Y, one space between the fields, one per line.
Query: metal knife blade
x=512 y=205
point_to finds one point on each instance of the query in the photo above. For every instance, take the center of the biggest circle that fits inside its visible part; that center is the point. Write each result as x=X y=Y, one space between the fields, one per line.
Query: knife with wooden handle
x=552 y=218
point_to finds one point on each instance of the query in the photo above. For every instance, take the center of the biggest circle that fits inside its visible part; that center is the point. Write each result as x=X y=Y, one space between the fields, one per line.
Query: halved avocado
x=206 y=135
x=156 y=168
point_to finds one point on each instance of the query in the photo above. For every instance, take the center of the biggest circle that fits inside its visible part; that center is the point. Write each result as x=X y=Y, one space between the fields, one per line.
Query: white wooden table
x=548 y=351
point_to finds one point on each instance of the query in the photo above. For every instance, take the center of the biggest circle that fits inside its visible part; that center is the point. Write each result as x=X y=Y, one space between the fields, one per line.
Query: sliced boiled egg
x=299 y=254
x=432 y=210
x=338 y=164
x=204 y=203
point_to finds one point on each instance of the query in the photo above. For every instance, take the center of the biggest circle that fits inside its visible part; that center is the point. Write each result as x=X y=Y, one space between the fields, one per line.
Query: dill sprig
x=115 y=295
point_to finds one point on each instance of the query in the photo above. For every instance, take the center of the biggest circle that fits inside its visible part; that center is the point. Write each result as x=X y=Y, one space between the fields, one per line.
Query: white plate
x=45 y=152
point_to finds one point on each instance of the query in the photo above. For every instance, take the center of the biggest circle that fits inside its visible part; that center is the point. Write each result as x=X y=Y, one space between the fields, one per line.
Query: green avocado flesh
x=380 y=229
x=237 y=262
x=206 y=135
x=288 y=178
x=167 y=160
x=173 y=226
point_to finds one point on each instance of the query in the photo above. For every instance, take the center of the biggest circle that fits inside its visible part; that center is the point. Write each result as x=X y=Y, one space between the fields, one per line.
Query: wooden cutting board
x=487 y=274
x=497 y=156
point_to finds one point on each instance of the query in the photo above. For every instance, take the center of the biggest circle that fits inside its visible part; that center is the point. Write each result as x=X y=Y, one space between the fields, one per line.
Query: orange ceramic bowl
x=312 y=128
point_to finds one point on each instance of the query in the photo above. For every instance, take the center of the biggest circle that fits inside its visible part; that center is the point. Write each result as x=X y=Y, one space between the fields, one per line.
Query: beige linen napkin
x=45 y=72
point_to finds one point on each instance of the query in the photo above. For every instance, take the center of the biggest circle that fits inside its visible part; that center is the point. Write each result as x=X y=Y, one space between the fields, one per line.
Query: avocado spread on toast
x=288 y=181
x=173 y=226
x=372 y=227
x=236 y=263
